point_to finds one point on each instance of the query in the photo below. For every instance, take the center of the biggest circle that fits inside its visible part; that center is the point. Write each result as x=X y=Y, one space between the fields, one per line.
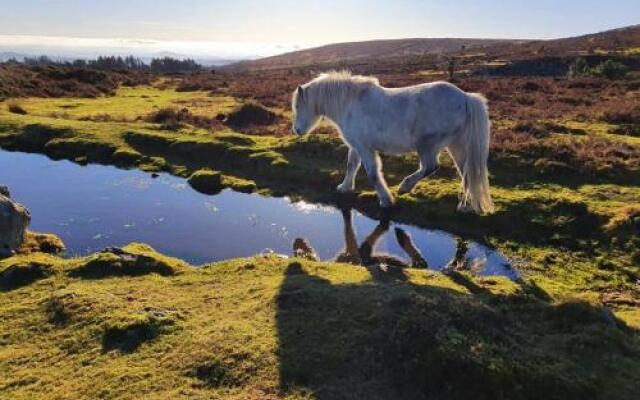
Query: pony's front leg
x=373 y=167
x=353 y=165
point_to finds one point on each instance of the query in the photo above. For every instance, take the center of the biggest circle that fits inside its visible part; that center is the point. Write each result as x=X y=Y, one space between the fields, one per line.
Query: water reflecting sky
x=97 y=206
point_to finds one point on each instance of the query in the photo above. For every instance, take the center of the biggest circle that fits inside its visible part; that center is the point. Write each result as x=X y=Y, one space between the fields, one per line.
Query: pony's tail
x=475 y=176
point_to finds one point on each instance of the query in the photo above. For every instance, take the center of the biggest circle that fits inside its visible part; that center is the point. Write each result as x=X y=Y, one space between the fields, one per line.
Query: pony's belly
x=391 y=146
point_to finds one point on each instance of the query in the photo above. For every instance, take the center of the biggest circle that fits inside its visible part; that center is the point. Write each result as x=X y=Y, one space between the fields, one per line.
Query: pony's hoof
x=387 y=203
x=404 y=189
x=465 y=209
x=344 y=189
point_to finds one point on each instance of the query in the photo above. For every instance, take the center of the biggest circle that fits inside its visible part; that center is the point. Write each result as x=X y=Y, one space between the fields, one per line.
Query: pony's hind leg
x=353 y=165
x=459 y=158
x=373 y=167
x=428 y=165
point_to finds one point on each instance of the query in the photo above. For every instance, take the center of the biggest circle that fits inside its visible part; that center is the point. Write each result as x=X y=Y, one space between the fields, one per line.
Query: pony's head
x=328 y=95
x=305 y=117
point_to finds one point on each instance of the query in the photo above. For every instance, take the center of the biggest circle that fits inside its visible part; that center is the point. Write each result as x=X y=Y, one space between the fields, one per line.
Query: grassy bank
x=564 y=198
x=134 y=323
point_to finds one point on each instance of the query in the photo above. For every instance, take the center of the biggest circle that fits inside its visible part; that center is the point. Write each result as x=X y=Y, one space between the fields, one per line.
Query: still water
x=93 y=207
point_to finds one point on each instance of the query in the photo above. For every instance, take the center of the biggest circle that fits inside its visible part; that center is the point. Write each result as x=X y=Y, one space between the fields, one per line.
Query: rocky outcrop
x=14 y=220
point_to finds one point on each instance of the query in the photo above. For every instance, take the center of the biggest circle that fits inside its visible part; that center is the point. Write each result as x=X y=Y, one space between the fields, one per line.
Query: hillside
x=624 y=40
x=374 y=49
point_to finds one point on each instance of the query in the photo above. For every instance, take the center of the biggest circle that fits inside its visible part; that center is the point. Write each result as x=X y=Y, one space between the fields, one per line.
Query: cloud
x=91 y=47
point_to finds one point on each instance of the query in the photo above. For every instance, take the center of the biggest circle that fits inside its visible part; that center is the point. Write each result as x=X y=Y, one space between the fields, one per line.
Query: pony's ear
x=300 y=93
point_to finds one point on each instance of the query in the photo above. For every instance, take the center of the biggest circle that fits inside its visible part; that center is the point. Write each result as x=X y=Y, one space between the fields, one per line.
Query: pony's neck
x=334 y=99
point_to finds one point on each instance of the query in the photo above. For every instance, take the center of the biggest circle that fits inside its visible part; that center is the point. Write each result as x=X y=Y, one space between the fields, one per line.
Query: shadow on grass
x=17 y=276
x=389 y=339
x=129 y=337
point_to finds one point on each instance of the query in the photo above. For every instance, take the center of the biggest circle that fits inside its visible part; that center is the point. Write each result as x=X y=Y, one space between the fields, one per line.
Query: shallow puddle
x=95 y=206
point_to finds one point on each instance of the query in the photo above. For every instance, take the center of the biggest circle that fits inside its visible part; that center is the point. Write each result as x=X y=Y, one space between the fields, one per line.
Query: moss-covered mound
x=42 y=243
x=23 y=274
x=206 y=181
x=132 y=260
x=250 y=115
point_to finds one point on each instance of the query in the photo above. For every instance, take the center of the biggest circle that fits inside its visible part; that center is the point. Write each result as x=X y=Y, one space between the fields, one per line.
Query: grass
x=558 y=211
x=564 y=188
x=129 y=104
x=294 y=329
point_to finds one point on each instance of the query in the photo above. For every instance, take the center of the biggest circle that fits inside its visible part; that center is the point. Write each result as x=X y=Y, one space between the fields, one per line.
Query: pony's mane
x=345 y=77
x=330 y=91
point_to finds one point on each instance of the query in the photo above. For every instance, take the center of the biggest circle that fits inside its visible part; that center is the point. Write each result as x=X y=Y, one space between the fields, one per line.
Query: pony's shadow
x=387 y=337
x=382 y=338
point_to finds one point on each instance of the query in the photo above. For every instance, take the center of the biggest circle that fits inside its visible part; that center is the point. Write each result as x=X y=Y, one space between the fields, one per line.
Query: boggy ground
x=566 y=182
x=133 y=323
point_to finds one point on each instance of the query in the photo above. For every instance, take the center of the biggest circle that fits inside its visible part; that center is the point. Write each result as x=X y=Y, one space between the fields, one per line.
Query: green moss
x=23 y=274
x=297 y=329
x=239 y=184
x=133 y=260
x=42 y=243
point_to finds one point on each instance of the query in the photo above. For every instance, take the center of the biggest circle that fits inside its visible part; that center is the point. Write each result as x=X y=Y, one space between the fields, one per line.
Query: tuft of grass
x=42 y=243
x=16 y=108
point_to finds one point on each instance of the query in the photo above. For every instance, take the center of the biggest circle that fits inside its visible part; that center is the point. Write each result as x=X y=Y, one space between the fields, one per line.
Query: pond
x=95 y=206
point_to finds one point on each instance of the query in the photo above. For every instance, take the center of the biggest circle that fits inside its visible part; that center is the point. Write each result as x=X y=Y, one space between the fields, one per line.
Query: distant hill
x=627 y=38
x=620 y=39
x=354 y=51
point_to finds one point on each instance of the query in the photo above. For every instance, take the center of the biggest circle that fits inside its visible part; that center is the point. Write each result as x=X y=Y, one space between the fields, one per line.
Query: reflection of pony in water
x=425 y=118
x=364 y=254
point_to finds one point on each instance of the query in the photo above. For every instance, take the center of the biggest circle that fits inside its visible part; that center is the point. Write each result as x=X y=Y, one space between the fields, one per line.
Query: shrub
x=251 y=114
x=578 y=68
x=610 y=69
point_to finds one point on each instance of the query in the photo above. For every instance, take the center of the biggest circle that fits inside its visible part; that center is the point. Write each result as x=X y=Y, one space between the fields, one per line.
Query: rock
x=302 y=249
x=14 y=220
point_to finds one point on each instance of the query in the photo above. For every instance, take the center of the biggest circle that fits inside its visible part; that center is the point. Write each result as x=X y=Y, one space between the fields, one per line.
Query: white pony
x=424 y=118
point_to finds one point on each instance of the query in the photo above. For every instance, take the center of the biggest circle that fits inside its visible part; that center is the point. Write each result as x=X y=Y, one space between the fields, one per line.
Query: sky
x=272 y=26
